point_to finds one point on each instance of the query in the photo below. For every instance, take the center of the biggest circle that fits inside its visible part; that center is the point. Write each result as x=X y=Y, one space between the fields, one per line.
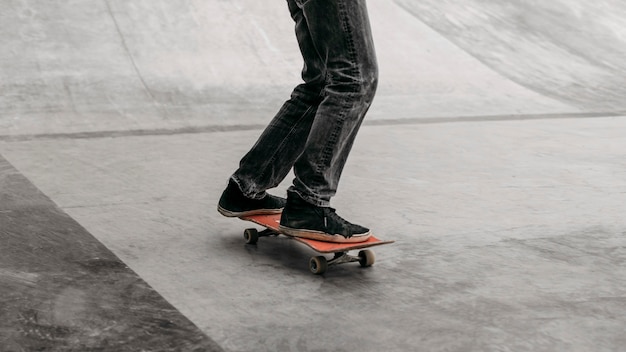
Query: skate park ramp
x=71 y=66
x=493 y=155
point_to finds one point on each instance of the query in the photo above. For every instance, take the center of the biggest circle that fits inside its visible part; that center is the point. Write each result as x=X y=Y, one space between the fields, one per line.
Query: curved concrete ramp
x=118 y=66
x=572 y=51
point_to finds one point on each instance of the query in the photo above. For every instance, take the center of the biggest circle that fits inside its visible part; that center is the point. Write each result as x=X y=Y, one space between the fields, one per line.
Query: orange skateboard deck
x=317 y=264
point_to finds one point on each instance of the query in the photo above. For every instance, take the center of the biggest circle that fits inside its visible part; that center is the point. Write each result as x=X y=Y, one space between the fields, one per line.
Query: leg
x=278 y=147
x=283 y=141
x=341 y=35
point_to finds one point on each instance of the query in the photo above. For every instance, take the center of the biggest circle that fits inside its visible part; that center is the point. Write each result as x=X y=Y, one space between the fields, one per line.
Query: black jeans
x=314 y=131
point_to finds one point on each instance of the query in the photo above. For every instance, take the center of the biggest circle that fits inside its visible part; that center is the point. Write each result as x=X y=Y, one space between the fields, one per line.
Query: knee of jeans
x=369 y=81
x=362 y=83
x=365 y=86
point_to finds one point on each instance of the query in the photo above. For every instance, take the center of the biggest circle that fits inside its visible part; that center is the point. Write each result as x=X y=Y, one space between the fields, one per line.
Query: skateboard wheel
x=366 y=258
x=318 y=265
x=251 y=236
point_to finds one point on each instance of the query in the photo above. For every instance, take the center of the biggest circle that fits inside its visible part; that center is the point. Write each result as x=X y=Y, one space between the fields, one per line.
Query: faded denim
x=314 y=130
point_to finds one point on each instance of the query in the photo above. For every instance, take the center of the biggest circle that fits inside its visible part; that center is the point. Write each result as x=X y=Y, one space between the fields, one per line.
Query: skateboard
x=317 y=264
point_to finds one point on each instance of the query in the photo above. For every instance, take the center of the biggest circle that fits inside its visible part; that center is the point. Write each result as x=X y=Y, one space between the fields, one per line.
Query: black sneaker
x=234 y=204
x=302 y=219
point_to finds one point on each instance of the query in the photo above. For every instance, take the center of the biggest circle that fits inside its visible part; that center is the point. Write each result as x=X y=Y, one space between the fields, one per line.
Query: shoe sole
x=323 y=236
x=238 y=214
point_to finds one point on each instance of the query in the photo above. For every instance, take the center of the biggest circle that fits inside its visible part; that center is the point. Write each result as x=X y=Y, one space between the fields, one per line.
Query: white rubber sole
x=232 y=214
x=322 y=236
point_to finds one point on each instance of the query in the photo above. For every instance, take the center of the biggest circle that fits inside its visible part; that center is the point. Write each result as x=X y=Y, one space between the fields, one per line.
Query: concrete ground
x=494 y=156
